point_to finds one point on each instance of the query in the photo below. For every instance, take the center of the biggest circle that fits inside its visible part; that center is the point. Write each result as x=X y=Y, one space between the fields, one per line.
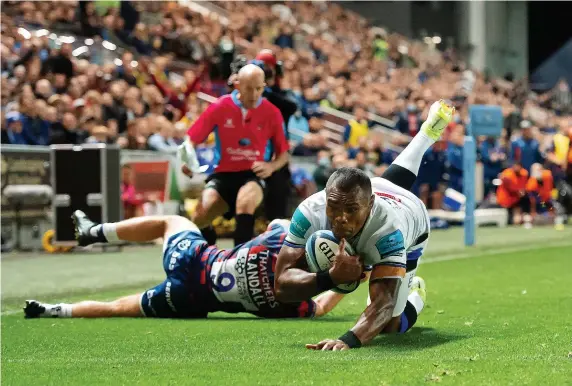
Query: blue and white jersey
x=397 y=220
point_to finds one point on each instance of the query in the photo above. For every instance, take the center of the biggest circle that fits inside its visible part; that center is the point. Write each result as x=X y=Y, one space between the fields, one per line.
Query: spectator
x=66 y=132
x=43 y=89
x=314 y=141
x=134 y=138
x=560 y=150
x=132 y=201
x=525 y=149
x=98 y=134
x=380 y=46
x=409 y=122
x=455 y=159
x=298 y=127
x=14 y=130
x=324 y=170
x=310 y=103
x=35 y=127
x=163 y=140
x=539 y=189
x=429 y=183
x=356 y=128
x=493 y=157
x=285 y=38
x=60 y=63
x=511 y=194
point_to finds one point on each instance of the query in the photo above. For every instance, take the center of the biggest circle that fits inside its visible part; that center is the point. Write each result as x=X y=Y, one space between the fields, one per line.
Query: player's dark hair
x=349 y=179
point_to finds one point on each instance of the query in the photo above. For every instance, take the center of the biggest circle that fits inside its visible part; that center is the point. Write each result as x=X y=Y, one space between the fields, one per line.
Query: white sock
x=109 y=231
x=61 y=310
x=410 y=158
x=417 y=301
x=64 y=310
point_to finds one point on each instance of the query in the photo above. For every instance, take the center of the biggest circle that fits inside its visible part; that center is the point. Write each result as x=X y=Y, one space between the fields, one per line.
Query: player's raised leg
x=138 y=229
x=404 y=169
x=87 y=232
x=249 y=197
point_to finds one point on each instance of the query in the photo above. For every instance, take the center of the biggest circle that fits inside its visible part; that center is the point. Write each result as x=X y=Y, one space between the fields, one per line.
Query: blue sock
x=408 y=318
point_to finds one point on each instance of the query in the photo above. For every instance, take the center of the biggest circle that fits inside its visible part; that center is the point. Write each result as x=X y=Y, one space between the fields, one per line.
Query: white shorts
x=413 y=257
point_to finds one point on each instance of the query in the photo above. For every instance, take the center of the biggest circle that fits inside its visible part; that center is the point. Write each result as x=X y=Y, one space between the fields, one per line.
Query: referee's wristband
x=350 y=339
x=324 y=281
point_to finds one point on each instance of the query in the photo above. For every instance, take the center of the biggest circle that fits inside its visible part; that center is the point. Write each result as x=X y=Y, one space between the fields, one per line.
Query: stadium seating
x=149 y=52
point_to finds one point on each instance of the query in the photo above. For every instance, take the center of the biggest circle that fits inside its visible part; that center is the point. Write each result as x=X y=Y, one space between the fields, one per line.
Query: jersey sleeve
x=278 y=132
x=204 y=125
x=300 y=227
x=387 y=247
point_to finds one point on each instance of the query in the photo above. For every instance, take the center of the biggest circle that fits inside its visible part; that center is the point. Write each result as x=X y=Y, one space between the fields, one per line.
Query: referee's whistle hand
x=262 y=169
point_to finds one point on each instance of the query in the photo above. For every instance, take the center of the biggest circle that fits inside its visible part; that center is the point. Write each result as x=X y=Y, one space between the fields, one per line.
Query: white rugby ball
x=321 y=248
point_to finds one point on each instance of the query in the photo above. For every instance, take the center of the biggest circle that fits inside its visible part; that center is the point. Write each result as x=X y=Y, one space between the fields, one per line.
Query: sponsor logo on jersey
x=229 y=123
x=259 y=284
x=390 y=244
x=237 y=154
x=168 y=296
x=299 y=225
x=239 y=265
x=387 y=195
x=150 y=294
x=244 y=142
x=184 y=244
x=174 y=256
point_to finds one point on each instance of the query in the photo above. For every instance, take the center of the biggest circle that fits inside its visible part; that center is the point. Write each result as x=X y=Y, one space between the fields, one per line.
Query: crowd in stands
x=331 y=58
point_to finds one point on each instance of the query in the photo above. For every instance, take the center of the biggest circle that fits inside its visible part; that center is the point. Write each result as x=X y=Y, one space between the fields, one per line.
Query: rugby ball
x=321 y=248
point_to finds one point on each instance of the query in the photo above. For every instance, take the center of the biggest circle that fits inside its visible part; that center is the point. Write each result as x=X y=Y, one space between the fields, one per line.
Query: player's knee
x=119 y=307
x=127 y=306
x=210 y=206
x=248 y=198
x=175 y=224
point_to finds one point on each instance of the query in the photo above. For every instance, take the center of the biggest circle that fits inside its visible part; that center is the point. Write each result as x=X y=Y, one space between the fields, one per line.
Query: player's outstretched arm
x=383 y=293
x=326 y=302
x=291 y=282
x=383 y=288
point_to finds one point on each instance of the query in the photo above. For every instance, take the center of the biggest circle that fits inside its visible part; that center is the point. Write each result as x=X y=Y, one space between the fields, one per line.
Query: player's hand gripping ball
x=321 y=249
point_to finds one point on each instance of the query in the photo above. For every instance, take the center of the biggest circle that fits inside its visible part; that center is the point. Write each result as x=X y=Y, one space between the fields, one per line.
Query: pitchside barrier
x=96 y=189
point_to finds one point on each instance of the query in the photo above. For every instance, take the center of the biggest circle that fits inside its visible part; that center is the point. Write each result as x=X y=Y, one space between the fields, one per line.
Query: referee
x=243 y=124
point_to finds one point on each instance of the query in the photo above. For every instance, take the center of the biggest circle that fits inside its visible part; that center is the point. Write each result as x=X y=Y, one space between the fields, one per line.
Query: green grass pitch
x=499 y=313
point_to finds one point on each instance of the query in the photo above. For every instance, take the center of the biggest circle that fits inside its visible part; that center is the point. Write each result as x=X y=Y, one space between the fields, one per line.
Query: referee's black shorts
x=227 y=184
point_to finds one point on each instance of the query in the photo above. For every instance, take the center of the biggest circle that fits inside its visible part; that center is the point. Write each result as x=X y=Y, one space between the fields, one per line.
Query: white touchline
x=467 y=255
x=459 y=256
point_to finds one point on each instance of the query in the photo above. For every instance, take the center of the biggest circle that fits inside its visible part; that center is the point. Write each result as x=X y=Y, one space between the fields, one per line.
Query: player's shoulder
x=315 y=203
x=383 y=241
x=382 y=221
x=309 y=214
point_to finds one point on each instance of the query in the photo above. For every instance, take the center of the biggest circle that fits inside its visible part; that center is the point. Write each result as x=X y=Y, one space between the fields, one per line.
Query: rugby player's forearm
x=373 y=321
x=296 y=285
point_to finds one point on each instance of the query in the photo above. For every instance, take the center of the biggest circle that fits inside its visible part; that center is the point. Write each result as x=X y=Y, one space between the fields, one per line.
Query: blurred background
x=362 y=75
